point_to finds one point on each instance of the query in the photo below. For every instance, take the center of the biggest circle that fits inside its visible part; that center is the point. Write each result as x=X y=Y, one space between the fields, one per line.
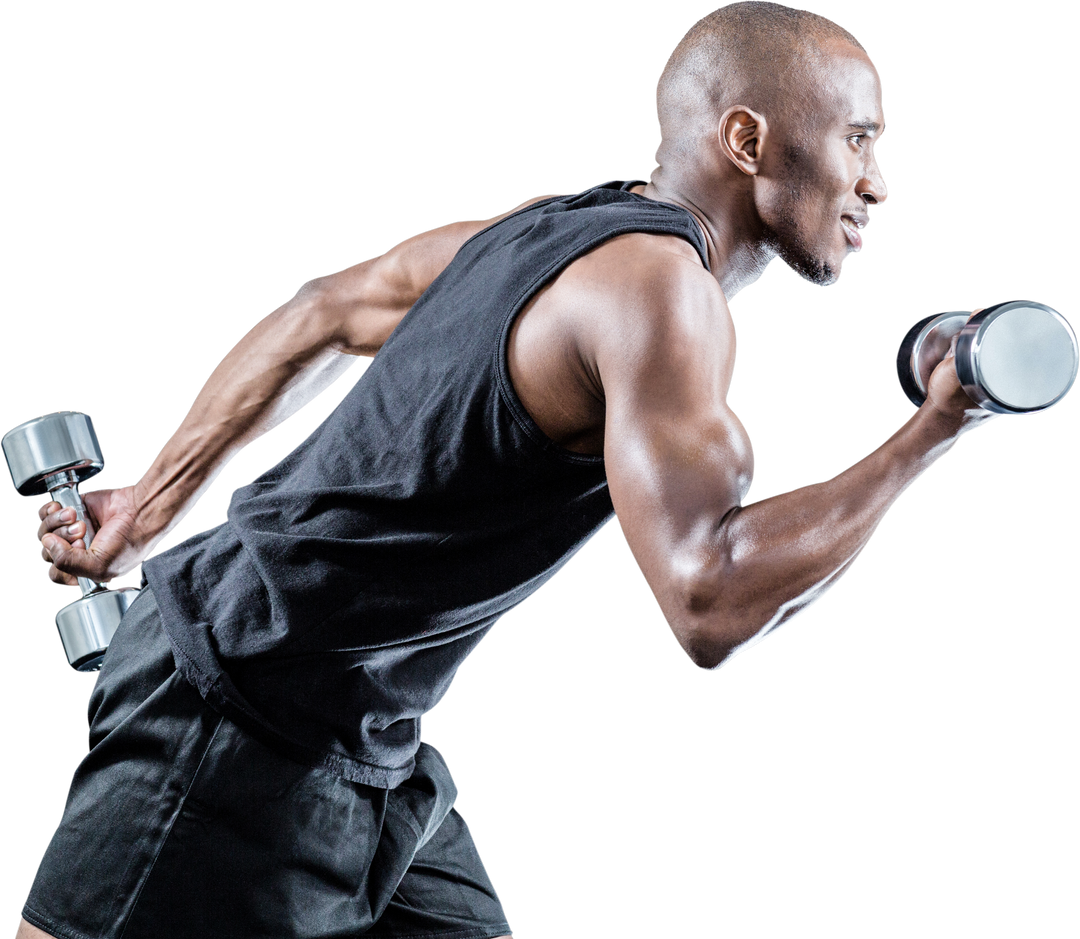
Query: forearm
x=764 y=562
x=280 y=364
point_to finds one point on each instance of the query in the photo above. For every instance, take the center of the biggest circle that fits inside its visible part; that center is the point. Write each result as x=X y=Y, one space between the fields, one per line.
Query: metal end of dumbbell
x=1012 y=358
x=87 y=626
x=1017 y=357
x=54 y=443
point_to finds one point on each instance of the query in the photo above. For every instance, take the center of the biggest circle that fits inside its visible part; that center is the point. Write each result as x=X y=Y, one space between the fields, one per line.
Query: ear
x=742 y=133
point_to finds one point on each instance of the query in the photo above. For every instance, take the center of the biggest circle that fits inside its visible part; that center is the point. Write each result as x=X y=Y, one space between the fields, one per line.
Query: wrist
x=153 y=508
x=952 y=422
x=937 y=425
x=927 y=435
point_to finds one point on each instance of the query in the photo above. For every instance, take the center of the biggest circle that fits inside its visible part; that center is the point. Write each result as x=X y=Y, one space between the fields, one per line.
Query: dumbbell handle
x=64 y=488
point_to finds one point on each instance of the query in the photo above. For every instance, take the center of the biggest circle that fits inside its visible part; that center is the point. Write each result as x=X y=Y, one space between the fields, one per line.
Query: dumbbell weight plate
x=1017 y=357
x=1011 y=358
x=48 y=445
x=87 y=626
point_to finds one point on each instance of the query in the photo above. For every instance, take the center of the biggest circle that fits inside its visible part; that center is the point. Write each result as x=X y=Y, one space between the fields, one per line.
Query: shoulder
x=648 y=274
x=575 y=338
x=647 y=298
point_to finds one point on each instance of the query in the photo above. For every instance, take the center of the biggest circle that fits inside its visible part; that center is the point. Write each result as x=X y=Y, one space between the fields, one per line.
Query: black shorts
x=179 y=824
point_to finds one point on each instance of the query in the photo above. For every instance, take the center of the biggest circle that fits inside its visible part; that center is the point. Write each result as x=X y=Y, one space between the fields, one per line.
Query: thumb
x=72 y=559
x=956 y=338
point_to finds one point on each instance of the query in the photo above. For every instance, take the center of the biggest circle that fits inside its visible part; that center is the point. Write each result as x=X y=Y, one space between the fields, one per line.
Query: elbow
x=312 y=301
x=319 y=313
x=712 y=614
x=709 y=644
x=702 y=620
x=705 y=653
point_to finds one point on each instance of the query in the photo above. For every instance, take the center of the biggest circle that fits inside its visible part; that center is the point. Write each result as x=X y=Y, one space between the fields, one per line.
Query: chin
x=814 y=269
x=809 y=261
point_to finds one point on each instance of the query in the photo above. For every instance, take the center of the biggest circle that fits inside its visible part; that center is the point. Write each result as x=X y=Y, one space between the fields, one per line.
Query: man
x=650 y=463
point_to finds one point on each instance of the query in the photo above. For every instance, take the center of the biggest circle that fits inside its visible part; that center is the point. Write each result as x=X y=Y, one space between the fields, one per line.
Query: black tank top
x=334 y=606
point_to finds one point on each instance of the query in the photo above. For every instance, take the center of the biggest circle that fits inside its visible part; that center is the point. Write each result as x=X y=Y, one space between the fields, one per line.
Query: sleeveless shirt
x=348 y=583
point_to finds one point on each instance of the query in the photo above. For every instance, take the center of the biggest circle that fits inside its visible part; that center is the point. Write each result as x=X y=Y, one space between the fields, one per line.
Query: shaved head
x=761 y=55
x=768 y=120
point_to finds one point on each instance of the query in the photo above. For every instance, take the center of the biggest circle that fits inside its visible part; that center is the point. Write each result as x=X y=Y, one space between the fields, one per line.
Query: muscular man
x=255 y=763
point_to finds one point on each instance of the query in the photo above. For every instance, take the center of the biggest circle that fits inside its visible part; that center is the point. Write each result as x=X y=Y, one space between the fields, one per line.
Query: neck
x=737 y=251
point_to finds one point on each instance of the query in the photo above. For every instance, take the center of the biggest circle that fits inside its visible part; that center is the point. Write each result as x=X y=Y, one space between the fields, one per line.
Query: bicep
x=676 y=468
x=678 y=460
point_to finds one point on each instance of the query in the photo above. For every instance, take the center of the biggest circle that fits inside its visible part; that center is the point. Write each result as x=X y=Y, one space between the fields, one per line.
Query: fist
x=945 y=394
x=113 y=549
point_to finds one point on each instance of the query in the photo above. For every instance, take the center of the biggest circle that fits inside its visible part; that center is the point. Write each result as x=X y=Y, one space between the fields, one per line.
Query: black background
x=898 y=751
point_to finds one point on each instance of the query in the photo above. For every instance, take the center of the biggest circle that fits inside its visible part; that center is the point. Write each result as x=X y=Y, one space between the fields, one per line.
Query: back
x=335 y=605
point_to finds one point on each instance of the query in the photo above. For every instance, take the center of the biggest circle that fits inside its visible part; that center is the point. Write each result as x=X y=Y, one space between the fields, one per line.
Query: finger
x=72 y=533
x=956 y=338
x=58 y=578
x=58 y=552
x=47 y=509
x=52 y=546
x=63 y=524
x=56 y=519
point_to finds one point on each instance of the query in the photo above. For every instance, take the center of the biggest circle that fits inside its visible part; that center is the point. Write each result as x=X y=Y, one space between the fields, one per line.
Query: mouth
x=852 y=224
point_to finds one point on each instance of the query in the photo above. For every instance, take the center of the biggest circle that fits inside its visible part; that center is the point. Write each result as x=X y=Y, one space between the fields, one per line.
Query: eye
x=857 y=139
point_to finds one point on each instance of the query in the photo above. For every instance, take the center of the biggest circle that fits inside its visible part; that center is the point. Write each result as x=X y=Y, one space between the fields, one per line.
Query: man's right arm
x=282 y=363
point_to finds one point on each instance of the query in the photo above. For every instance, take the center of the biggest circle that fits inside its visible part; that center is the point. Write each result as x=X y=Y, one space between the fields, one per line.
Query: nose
x=871 y=187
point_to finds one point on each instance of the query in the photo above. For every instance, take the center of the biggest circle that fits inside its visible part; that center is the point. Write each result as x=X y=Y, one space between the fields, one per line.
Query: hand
x=115 y=548
x=946 y=395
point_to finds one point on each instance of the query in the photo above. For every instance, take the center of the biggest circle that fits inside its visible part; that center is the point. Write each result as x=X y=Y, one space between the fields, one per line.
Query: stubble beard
x=792 y=248
x=806 y=265
x=786 y=237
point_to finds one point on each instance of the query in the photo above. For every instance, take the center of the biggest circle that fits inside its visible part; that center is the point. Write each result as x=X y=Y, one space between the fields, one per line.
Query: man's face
x=821 y=173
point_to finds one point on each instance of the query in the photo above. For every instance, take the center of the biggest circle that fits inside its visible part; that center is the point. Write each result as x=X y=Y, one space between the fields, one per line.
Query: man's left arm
x=678 y=465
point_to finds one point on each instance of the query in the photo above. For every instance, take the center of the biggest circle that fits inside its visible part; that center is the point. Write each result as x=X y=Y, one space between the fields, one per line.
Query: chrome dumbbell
x=54 y=454
x=1012 y=358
